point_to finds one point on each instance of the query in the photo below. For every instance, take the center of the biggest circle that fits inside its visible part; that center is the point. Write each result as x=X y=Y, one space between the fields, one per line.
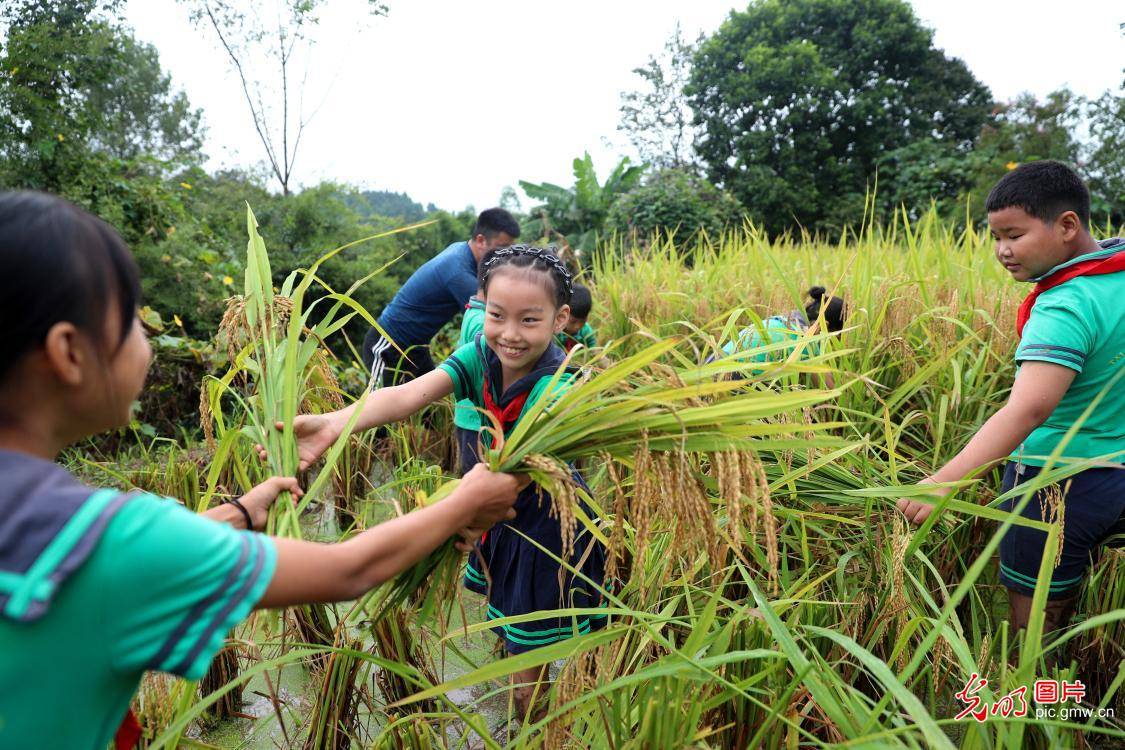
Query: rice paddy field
x=766 y=593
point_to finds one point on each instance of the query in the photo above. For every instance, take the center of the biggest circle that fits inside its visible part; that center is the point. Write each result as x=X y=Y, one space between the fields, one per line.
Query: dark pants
x=387 y=367
x=1095 y=504
x=468 y=444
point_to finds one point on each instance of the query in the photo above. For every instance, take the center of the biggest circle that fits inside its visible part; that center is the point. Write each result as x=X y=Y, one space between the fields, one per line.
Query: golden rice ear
x=206 y=418
x=617 y=548
x=558 y=481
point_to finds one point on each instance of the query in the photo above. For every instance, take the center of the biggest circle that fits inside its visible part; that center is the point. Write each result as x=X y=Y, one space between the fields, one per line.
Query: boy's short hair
x=581 y=302
x=1044 y=189
x=493 y=221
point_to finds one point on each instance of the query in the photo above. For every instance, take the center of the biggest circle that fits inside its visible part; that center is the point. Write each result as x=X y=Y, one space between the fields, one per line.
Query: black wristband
x=245 y=513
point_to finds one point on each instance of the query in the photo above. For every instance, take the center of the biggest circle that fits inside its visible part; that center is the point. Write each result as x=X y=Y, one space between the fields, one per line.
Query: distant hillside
x=390 y=204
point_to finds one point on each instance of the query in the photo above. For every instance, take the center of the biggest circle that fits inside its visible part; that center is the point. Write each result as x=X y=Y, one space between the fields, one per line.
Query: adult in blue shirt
x=429 y=299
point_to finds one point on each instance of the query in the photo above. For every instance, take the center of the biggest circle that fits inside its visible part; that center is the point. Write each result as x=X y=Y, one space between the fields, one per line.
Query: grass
x=768 y=595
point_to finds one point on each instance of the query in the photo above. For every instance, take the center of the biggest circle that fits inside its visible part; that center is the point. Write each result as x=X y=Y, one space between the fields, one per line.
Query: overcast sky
x=450 y=101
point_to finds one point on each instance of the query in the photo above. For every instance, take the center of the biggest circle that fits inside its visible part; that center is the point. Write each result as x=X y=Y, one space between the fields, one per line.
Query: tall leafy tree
x=76 y=87
x=798 y=99
x=949 y=173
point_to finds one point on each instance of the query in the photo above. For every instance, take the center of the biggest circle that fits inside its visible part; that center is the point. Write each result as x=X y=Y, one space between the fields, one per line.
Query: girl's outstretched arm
x=316 y=433
x=308 y=572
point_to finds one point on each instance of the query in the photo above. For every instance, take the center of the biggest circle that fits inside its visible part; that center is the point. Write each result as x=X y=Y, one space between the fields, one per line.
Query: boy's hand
x=1038 y=389
x=315 y=434
x=917 y=511
x=259 y=499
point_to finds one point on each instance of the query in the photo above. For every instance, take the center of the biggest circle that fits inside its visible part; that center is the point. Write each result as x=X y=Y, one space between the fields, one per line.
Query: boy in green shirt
x=577 y=330
x=1071 y=352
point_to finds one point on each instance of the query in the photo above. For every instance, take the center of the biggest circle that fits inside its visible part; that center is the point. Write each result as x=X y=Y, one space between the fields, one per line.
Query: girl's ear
x=64 y=350
x=562 y=317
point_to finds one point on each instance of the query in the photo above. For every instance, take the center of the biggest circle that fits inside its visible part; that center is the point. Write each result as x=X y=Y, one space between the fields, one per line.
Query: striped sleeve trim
x=199 y=637
x=460 y=376
x=1064 y=355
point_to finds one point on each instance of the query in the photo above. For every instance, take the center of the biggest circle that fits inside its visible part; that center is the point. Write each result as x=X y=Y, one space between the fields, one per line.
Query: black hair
x=1044 y=189
x=833 y=307
x=59 y=262
x=493 y=221
x=580 y=302
x=541 y=259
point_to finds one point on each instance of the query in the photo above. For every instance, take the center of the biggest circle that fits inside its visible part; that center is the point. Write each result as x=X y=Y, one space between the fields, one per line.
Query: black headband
x=544 y=254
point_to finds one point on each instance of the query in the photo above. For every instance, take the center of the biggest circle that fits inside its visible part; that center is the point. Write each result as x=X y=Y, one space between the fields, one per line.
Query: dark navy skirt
x=519 y=578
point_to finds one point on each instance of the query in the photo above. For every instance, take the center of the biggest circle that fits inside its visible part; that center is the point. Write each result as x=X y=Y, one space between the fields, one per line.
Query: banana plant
x=577 y=215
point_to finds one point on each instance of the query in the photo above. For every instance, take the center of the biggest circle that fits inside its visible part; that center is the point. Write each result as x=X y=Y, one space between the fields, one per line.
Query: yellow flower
x=228 y=281
x=60 y=137
x=185 y=185
x=176 y=318
x=1012 y=165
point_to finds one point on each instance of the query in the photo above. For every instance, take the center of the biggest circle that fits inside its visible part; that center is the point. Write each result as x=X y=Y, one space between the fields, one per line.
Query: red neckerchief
x=128 y=733
x=569 y=342
x=508 y=415
x=1111 y=264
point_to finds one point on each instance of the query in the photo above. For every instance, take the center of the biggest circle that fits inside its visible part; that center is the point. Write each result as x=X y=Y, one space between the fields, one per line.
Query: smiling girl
x=504 y=371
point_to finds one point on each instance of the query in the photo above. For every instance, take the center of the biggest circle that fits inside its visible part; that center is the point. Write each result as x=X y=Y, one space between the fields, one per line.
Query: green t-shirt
x=1080 y=324
x=773 y=330
x=466 y=367
x=160 y=590
x=465 y=414
x=586 y=336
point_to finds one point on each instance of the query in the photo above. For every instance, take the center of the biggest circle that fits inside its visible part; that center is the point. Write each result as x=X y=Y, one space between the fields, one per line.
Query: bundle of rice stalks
x=279 y=365
x=223 y=670
x=333 y=721
x=314 y=626
x=394 y=641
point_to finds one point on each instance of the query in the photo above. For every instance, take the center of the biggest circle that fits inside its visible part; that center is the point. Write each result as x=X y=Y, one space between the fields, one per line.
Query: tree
x=86 y=112
x=1106 y=157
x=673 y=201
x=577 y=215
x=1088 y=135
x=271 y=35
x=656 y=117
x=77 y=86
x=798 y=100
